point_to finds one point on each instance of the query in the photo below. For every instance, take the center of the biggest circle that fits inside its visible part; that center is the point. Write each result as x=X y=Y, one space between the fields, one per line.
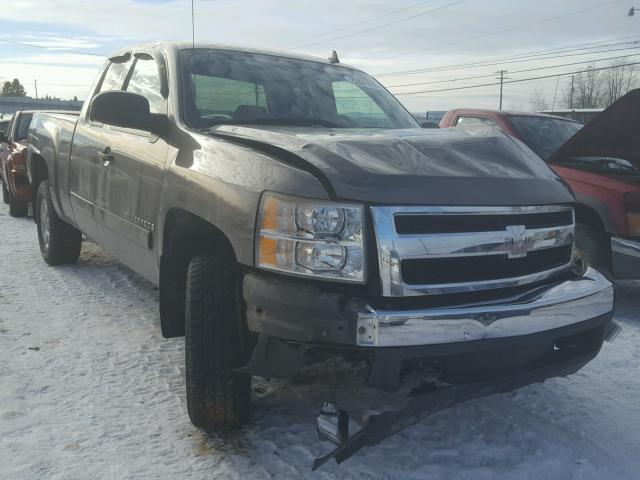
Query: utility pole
x=502 y=78
x=571 y=94
x=35 y=84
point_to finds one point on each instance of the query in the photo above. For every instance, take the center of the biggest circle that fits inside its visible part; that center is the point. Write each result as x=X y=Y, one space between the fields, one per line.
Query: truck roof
x=185 y=45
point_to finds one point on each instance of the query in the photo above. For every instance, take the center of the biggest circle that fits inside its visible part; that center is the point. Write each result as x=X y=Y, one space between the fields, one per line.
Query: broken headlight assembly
x=312 y=238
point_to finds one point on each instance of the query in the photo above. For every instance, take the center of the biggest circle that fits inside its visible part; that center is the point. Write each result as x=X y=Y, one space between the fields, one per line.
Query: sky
x=61 y=44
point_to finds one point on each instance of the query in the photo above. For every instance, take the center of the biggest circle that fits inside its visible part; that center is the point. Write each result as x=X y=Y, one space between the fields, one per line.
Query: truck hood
x=414 y=166
x=613 y=133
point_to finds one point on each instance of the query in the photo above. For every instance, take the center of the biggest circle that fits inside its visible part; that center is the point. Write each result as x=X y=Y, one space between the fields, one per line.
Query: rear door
x=130 y=181
x=89 y=152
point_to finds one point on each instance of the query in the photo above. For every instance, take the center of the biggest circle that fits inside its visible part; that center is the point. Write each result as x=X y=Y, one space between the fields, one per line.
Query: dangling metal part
x=332 y=424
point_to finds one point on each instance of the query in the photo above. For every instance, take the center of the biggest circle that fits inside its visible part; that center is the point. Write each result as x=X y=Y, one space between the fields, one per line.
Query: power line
x=542 y=55
x=347 y=27
x=504 y=30
x=52 y=49
x=465 y=87
x=516 y=71
x=360 y=32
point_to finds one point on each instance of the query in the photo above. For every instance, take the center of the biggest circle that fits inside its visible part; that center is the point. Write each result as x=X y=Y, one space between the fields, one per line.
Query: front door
x=131 y=179
x=88 y=154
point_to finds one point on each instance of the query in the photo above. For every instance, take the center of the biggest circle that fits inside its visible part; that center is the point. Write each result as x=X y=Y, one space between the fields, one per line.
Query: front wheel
x=218 y=397
x=60 y=243
x=591 y=248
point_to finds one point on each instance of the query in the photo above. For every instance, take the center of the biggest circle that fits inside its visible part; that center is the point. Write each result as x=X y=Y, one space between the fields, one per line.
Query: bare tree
x=586 y=90
x=618 y=81
x=538 y=100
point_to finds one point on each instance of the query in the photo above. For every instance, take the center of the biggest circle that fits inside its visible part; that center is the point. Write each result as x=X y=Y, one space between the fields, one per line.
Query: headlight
x=314 y=238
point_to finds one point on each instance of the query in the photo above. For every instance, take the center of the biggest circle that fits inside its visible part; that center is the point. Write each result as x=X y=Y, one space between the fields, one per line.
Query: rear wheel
x=218 y=397
x=17 y=208
x=60 y=243
x=591 y=247
x=5 y=193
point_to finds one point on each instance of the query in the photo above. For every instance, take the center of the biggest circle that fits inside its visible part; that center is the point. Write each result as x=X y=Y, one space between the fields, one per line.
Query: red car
x=601 y=163
x=16 y=189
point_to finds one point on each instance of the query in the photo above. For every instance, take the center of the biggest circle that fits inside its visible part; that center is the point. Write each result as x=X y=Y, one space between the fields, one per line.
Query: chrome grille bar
x=515 y=242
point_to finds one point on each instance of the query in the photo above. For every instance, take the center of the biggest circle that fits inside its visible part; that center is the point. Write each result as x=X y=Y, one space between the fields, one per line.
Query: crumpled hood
x=416 y=166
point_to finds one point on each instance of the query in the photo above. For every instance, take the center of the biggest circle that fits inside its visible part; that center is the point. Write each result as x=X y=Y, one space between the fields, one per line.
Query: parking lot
x=90 y=389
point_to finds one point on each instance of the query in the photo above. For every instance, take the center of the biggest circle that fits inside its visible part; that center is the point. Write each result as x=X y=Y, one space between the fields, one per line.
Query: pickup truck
x=289 y=208
x=601 y=164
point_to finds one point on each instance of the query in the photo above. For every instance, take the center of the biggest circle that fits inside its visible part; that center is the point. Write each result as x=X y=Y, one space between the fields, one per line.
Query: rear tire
x=60 y=243
x=592 y=248
x=17 y=208
x=5 y=193
x=218 y=397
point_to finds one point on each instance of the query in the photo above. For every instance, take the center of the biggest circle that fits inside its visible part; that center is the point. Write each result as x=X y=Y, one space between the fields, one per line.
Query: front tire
x=60 y=243
x=592 y=248
x=218 y=397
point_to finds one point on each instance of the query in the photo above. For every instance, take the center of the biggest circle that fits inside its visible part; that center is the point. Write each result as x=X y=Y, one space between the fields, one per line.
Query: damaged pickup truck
x=290 y=209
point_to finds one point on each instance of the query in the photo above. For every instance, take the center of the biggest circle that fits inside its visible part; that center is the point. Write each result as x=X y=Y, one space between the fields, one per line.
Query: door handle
x=105 y=156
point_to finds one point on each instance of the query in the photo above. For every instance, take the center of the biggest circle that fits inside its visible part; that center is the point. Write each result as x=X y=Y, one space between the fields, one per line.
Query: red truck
x=601 y=163
x=16 y=190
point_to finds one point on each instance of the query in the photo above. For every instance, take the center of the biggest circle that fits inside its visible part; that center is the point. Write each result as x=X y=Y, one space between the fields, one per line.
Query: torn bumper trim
x=377 y=428
x=548 y=308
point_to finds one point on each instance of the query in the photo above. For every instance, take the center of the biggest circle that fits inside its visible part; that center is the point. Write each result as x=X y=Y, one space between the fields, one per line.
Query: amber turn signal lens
x=633 y=221
x=270 y=215
x=268 y=251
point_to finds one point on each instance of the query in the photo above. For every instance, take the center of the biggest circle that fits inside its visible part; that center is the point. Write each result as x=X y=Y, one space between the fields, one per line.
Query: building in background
x=582 y=115
x=10 y=105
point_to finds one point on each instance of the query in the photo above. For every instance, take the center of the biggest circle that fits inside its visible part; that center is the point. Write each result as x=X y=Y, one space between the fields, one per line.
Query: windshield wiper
x=294 y=122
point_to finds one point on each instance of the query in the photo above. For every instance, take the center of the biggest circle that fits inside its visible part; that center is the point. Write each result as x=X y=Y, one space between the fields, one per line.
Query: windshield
x=544 y=135
x=226 y=87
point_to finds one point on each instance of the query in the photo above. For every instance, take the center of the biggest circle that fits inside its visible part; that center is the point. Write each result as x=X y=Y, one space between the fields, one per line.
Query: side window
x=114 y=76
x=23 y=127
x=145 y=81
x=354 y=103
x=475 y=122
x=218 y=97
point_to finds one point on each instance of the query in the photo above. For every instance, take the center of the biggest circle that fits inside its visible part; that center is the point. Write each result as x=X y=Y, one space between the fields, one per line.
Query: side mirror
x=126 y=110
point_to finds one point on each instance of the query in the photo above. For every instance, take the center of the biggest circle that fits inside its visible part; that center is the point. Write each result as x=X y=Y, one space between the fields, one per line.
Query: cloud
x=443 y=36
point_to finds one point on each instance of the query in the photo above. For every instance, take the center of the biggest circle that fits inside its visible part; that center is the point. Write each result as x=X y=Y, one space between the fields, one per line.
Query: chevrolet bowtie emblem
x=517 y=241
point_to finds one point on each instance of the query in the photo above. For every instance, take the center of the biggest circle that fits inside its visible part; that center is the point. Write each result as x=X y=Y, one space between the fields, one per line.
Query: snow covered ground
x=90 y=390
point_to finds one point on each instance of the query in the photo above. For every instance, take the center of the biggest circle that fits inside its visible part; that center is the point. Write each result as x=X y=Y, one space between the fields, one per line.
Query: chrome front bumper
x=539 y=310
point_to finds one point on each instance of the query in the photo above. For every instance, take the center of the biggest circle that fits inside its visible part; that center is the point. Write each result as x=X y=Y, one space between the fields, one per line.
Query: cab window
x=145 y=81
x=114 y=77
x=468 y=121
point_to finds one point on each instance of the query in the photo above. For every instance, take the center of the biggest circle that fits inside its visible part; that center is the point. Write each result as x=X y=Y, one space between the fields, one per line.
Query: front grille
x=425 y=223
x=480 y=268
x=441 y=250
